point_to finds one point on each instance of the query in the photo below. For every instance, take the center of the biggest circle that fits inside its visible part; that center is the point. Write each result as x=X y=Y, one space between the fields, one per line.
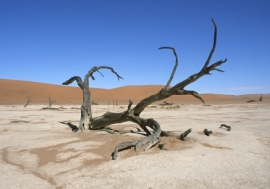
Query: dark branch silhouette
x=29 y=99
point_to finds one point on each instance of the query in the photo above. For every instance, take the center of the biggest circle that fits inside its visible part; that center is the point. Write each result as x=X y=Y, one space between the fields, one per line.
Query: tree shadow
x=73 y=127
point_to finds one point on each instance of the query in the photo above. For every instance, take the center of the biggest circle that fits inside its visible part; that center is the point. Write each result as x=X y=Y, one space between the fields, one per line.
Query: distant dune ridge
x=14 y=92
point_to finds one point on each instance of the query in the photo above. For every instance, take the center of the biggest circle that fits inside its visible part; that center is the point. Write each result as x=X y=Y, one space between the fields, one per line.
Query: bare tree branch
x=175 y=66
x=77 y=78
x=95 y=69
x=214 y=46
x=149 y=140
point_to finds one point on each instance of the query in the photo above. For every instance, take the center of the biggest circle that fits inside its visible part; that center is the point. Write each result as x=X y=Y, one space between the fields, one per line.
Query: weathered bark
x=86 y=112
x=29 y=99
x=133 y=114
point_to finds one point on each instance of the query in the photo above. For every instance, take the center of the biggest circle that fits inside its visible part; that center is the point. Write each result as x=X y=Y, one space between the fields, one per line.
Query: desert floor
x=39 y=150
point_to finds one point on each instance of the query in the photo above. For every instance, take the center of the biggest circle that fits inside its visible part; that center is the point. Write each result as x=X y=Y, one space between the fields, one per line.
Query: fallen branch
x=185 y=134
x=149 y=140
x=226 y=126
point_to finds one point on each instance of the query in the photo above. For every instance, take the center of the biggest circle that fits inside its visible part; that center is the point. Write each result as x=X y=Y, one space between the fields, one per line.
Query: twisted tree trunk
x=86 y=112
x=133 y=114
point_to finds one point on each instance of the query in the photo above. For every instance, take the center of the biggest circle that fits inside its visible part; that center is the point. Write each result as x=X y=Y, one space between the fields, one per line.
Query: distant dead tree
x=165 y=103
x=94 y=103
x=29 y=99
x=51 y=101
x=88 y=122
x=250 y=101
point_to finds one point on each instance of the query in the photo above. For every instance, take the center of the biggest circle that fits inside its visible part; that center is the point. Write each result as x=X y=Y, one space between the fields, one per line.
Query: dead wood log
x=207 y=132
x=185 y=134
x=87 y=121
x=50 y=108
x=226 y=126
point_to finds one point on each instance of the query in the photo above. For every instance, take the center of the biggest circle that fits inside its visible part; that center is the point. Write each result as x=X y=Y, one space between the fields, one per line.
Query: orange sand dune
x=14 y=92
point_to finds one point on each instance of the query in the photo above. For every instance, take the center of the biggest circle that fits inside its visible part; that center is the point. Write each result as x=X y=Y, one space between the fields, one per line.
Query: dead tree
x=86 y=112
x=250 y=101
x=29 y=99
x=133 y=114
x=51 y=102
x=94 y=103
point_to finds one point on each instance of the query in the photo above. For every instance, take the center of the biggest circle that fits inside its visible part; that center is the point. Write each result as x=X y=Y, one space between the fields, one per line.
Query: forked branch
x=97 y=68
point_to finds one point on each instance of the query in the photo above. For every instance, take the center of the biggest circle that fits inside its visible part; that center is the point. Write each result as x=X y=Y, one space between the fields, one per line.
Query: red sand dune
x=13 y=92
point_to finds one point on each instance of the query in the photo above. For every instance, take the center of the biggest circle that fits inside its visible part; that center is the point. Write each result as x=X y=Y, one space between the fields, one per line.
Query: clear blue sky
x=50 y=41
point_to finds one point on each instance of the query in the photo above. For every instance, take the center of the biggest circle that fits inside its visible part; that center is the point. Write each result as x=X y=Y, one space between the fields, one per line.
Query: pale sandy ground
x=38 y=151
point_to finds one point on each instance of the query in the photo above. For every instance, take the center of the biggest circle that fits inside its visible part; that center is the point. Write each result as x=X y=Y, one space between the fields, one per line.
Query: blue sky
x=50 y=41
